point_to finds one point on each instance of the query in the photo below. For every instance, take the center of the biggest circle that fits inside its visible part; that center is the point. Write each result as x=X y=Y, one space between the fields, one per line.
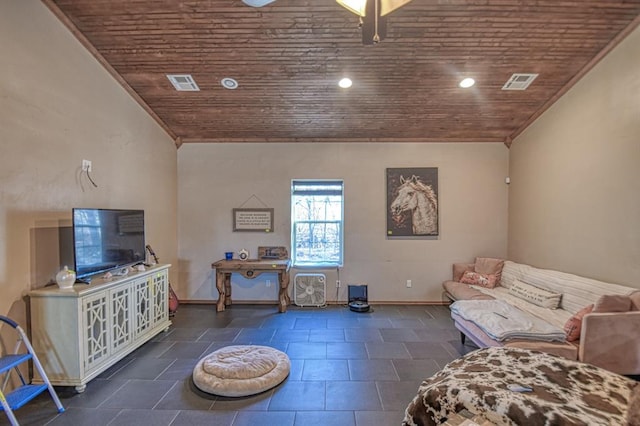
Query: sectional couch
x=602 y=320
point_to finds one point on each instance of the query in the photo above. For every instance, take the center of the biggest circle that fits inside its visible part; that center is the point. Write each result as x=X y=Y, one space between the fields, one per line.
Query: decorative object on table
x=174 y=302
x=243 y=254
x=228 y=255
x=412 y=202
x=310 y=290
x=66 y=278
x=241 y=370
x=272 y=253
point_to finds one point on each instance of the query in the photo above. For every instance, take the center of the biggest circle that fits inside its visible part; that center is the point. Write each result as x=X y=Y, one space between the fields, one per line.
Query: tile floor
x=347 y=369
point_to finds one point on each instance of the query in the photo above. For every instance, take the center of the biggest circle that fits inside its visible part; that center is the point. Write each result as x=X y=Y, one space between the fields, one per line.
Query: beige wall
x=213 y=179
x=57 y=107
x=574 y=201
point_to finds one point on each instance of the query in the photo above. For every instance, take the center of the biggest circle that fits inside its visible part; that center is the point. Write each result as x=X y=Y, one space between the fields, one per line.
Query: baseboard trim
x=270 y=302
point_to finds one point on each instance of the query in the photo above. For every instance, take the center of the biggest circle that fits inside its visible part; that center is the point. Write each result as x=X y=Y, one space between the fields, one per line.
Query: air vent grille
x=519 y=81
x=183 y=82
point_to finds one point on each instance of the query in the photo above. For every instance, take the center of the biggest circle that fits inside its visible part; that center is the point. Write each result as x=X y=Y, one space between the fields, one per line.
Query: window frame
x=340 y=223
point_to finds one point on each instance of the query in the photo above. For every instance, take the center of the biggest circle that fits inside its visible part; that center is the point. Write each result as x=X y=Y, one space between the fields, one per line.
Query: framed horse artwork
x=412 y=202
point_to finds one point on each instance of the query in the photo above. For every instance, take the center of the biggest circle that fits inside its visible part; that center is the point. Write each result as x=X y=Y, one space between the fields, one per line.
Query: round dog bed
x=241 y=370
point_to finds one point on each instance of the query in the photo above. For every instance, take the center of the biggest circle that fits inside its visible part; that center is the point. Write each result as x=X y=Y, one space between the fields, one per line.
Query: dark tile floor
x=347 y=369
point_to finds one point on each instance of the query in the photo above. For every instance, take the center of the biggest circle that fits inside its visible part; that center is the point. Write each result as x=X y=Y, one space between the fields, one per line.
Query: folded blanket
x=502 y=321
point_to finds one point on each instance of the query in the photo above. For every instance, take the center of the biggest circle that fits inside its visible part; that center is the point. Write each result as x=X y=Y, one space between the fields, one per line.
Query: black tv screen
x=106 y=239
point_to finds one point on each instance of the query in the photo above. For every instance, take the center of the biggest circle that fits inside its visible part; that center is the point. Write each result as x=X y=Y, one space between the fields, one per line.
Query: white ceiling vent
x=183 y=82
x=519 y=81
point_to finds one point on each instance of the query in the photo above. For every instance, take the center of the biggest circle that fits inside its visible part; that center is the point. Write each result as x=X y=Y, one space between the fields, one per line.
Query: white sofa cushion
x=513 y=271
x=535 y=295
x=577 y=292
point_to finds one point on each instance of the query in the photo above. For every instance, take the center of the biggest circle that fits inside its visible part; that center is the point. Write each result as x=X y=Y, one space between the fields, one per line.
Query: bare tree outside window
x=317 y=218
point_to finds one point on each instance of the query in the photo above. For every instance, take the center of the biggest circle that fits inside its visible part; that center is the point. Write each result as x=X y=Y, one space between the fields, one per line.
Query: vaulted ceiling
x=288 y=57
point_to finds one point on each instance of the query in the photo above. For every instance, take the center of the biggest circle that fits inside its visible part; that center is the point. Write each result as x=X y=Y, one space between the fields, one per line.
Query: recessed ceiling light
x=467 y=82
x=257 y=3
x=345 y=83
x=229 y=83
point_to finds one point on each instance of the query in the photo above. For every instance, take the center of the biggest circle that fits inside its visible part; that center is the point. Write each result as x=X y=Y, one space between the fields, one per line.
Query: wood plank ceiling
x=288 y=57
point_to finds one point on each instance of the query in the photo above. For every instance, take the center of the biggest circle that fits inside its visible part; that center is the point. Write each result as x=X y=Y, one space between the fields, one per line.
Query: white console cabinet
x=80 y=332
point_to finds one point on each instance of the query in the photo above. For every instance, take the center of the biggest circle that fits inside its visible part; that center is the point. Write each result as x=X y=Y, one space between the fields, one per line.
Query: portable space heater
x=358 y=299
x=310 y=290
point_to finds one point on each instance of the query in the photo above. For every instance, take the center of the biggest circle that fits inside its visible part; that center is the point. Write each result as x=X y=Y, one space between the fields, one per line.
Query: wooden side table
x=251 y=268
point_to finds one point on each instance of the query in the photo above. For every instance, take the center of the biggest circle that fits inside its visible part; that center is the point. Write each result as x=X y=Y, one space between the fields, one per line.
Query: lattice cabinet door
x=143 y=306
x=79 y=334
x=160 y=294
x=121 y=329
x=95 y=329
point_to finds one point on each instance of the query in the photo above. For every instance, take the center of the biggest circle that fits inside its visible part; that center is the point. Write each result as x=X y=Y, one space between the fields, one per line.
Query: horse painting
x=417 y=201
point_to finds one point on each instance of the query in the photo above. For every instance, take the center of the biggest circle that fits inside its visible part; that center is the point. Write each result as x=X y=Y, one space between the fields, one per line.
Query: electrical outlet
x=86 y=165
x=337 y=283
x=408 y=283
x=268 y=283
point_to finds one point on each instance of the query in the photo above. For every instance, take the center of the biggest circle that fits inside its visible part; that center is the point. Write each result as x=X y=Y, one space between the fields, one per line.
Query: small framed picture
x=253 y=220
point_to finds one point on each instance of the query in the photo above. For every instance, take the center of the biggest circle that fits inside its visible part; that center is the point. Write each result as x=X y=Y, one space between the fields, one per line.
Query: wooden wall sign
x=253 y=220
x=269 y=252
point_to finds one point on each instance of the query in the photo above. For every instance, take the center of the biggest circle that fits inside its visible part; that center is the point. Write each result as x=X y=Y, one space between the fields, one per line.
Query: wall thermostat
x=243 y=254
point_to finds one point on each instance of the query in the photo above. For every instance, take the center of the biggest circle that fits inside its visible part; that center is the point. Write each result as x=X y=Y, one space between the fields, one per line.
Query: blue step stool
x=26 y=392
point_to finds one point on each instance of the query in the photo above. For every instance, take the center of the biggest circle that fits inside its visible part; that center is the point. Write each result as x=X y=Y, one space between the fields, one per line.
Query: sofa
x=600 y=321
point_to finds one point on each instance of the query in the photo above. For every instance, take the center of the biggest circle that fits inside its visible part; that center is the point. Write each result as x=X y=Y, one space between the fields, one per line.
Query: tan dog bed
x=241 y=370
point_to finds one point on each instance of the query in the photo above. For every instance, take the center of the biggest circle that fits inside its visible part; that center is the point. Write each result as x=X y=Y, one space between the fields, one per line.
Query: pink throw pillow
x=574 y=324
x=482 y=280
x=489 y=265
x=635 y=301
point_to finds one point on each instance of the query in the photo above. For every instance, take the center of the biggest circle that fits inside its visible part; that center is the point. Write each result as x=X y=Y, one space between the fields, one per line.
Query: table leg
x=284 y=300
x=227 y=289
x=220 y=287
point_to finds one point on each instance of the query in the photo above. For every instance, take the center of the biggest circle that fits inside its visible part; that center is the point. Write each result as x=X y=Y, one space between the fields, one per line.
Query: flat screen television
x=106 y=239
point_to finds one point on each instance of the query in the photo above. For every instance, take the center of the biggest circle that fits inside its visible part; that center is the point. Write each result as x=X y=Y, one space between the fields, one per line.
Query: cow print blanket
x=564 y=392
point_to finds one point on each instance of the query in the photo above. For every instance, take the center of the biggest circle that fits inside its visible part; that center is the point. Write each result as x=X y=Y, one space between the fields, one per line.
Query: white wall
x=215 y=178
x=57 y=107
x=574 y=203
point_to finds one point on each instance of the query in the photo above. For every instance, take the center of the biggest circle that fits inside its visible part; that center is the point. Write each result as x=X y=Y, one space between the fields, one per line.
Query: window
x=88 y=237
x=316 y=222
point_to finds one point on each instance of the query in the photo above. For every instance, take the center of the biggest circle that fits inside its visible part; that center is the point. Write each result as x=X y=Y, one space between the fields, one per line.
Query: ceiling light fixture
x=467 y=82
x=371 y=13
x=257 y=3
x=359 y=6
x=229 y=83
x=345 y=83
